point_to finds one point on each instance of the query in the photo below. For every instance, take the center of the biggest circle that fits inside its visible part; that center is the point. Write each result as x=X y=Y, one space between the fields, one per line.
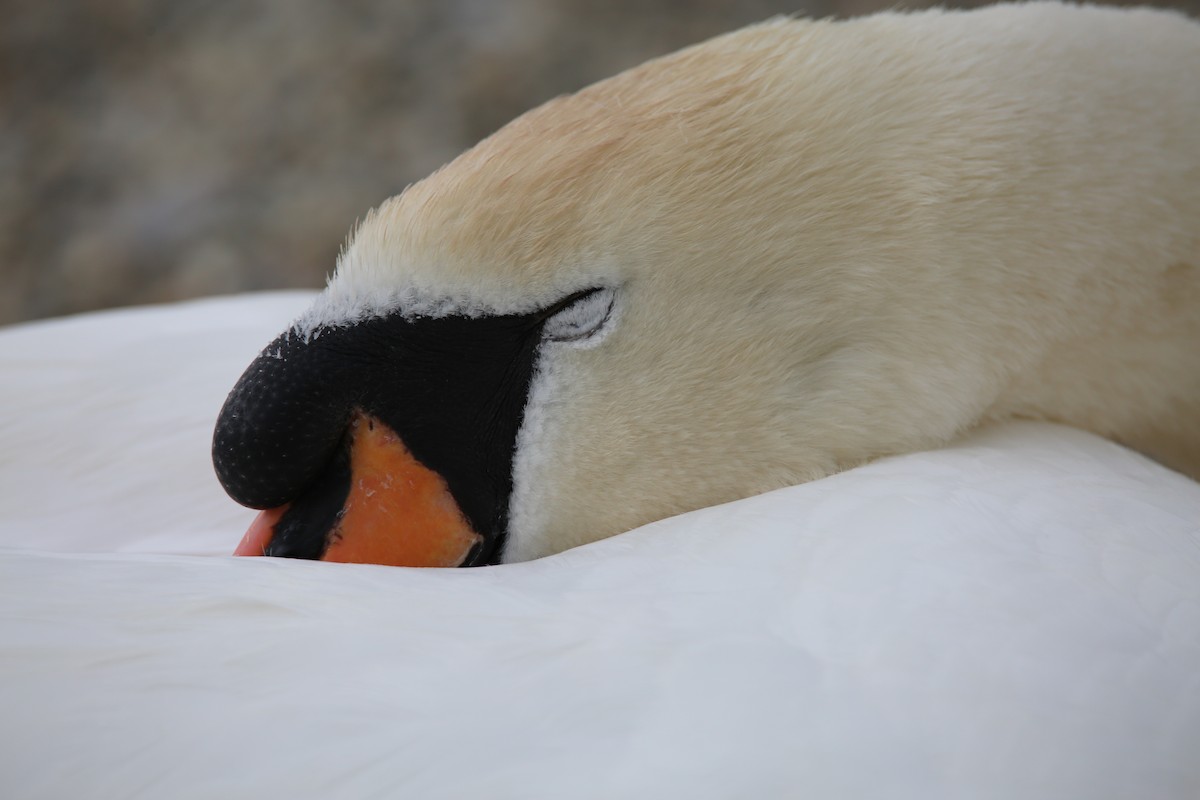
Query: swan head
x=726 y=271
x=666 y=291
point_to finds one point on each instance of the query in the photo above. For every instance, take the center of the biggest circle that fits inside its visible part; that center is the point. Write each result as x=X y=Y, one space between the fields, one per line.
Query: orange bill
x=398 y=511
x=255 y=542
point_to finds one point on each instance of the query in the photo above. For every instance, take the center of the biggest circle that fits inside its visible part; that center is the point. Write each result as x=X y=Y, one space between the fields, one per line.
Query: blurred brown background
x=154 y=150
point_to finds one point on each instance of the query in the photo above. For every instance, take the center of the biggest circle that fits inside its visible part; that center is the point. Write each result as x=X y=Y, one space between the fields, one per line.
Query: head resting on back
x=824 y=242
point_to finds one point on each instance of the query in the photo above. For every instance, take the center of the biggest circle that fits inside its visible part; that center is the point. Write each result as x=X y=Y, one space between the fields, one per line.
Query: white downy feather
x=1017 y=615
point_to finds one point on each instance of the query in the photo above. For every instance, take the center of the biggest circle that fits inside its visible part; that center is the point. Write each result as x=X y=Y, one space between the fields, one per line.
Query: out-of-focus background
x=155 y=150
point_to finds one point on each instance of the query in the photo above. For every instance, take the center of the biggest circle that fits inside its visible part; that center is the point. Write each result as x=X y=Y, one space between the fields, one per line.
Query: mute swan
x=1013 y=614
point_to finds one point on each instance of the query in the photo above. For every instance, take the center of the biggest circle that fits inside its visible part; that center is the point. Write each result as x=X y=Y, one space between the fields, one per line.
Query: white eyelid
x=585 y=321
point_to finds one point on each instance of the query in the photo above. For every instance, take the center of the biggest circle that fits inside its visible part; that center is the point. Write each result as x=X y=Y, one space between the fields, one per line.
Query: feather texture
x=1016 y=615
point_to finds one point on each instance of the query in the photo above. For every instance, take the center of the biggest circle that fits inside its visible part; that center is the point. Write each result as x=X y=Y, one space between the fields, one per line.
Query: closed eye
x=580 y=316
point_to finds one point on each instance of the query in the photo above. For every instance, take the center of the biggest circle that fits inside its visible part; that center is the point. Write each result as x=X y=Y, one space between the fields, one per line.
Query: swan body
x=1015 y=615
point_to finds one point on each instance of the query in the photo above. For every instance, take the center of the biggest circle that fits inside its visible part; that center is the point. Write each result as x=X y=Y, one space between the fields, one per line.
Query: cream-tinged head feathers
x=825 y=242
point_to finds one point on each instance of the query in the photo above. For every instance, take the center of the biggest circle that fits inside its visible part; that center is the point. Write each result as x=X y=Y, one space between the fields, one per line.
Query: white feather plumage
x=1015 y=616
